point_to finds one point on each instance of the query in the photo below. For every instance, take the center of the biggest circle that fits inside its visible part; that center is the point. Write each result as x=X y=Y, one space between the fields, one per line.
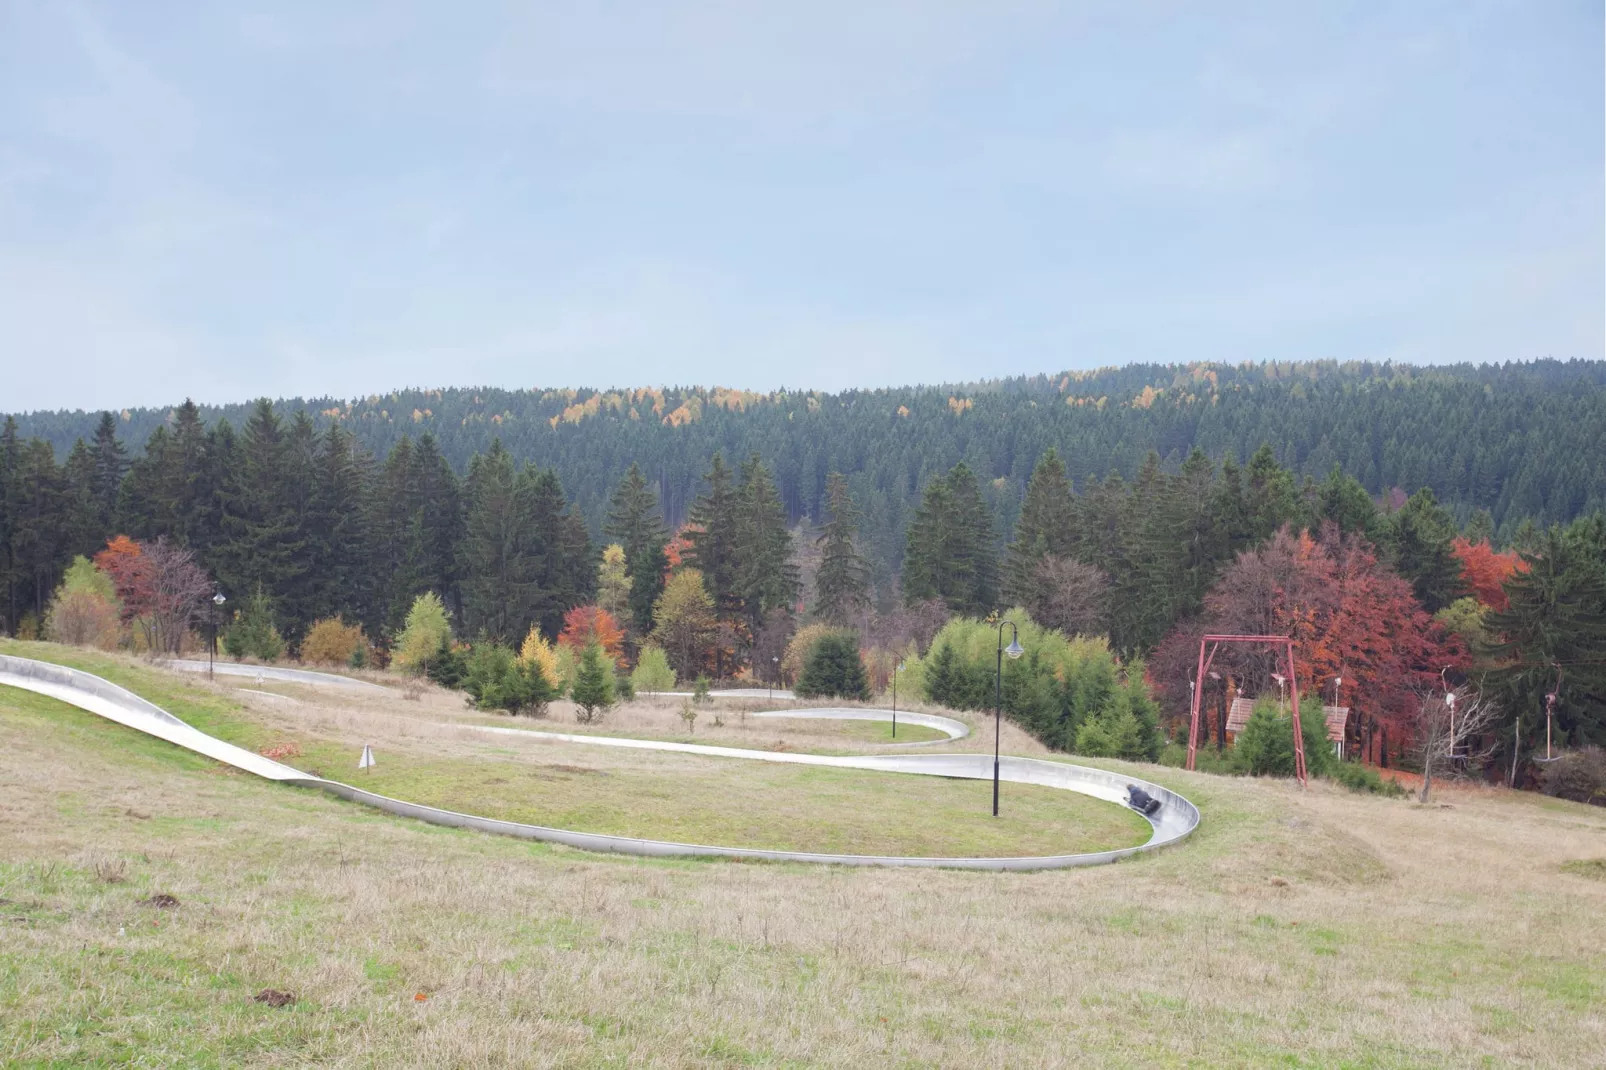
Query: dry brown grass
x=1296 y=929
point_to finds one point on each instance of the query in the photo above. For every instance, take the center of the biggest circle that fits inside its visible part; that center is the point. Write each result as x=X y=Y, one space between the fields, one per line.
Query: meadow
x=1295 y=928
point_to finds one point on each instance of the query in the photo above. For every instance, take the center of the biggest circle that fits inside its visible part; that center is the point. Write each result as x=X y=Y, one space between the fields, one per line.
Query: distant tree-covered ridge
x=1520 y=440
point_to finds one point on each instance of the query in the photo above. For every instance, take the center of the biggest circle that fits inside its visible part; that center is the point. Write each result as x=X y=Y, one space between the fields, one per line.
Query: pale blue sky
x=339 y=199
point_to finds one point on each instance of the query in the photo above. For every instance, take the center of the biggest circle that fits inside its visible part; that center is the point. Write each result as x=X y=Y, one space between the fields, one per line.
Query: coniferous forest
x=1145 y=504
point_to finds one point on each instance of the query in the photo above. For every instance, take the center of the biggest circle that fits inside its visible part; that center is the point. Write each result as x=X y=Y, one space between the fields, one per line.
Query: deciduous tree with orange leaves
x=1348 y=614
x=584 y=625
x=1485 y=571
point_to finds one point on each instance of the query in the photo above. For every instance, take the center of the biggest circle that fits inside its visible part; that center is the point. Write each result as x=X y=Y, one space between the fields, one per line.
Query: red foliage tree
x=675 y=550
x=1486 y=571
x=1348 y=615
x=124 y=562
x=584 y=625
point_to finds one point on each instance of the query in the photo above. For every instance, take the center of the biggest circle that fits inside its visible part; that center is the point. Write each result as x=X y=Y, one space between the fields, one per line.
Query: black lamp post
x=1014 y=651
x=211 y=648
x=775 y=670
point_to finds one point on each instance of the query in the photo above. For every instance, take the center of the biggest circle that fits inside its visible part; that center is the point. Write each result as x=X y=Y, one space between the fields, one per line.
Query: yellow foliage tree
x=332 y=641
x=613 y=586
x=537 y=651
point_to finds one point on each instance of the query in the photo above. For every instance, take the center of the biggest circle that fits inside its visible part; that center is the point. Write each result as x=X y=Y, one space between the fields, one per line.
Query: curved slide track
x=270 y=672
x=1175 y=821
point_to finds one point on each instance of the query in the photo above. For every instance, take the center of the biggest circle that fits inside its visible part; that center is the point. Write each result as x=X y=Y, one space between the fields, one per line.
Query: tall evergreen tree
x=496 y=558
x=841 y=584
x=766 y=578
x=634 y=520
x=83 y=525
x=38 y=552
x=1345 y=502
x=1554 y=631
x=1047 y=525
x=10 y=489
x=1421 y=535
x=111 y=464
x=951 y=554
x=1271 y=498
x=714 y=537
x=262 y=541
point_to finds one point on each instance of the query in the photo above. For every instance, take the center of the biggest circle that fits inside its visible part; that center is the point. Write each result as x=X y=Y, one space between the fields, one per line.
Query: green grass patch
x=1593 y=868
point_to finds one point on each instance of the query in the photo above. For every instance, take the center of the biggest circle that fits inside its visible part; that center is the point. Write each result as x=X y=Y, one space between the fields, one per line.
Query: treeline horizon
x=1523 y=440
x=304 y=525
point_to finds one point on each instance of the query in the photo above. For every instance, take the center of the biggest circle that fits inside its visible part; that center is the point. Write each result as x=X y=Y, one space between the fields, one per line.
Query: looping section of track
x=1174 y=822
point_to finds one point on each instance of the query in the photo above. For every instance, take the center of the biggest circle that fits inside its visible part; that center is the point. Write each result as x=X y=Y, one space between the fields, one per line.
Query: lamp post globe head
x=1014 y=649
x=218 y=599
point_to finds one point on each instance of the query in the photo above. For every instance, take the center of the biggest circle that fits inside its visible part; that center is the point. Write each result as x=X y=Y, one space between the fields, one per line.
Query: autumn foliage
x=1486 y=571
x=584 y=625
x=124 y=561
x=1348 y=615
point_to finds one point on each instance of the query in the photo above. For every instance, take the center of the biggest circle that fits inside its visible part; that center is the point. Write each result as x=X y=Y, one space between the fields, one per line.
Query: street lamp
x=1014 y=651
x=211 y=648
x=1338 y=681
x=775 y=670
x=895 y=673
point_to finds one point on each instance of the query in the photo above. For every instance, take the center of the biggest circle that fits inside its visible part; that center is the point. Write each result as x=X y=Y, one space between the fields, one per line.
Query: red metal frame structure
x=1215 y=642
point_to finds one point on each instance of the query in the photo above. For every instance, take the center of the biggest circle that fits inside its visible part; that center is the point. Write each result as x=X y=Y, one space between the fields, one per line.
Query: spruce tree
x=263 y=544
x=1345 y=502
x=714 y=538
x=841 y=587
x=110 y=465
x=766 y=578
x=1046 y=526
x=1271 y=498
x=1421 y=536
x=1553 y=632
x=634 y=520
x=496 y=556
x=951 y=553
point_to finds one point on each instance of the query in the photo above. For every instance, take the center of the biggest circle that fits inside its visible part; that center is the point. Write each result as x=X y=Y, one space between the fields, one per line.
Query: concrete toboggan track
x=1174 y=822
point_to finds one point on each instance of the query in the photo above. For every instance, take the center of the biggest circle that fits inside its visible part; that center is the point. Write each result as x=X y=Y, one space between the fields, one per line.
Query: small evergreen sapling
x=593 y=684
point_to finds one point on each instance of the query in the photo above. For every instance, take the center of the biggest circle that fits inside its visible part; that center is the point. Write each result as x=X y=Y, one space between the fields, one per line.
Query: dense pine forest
x=1521 y=440
x=1362 y=508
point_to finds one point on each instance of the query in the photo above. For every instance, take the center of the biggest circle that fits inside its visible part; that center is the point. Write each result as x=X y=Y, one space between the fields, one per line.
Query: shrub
x=1266 y=745
x=449 y=666
x=833 y=669
x=652 y=672
x=593 y=683
x=85 y=610
x=623 y=689
x=497 y=680
x=1365 y=779
x=1126 y=726
x=1051 y=690
x=699 y=690
x=332 y=641
x=1579 y=775
x=253 y=634
x=798 y=648
x=425 y=633
x=688 y=713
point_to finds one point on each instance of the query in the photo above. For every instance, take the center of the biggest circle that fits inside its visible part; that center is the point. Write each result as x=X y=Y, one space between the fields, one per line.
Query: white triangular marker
x=367 y=760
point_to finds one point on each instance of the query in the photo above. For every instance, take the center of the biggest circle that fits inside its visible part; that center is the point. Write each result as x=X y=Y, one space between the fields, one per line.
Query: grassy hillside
x=1295 y=929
